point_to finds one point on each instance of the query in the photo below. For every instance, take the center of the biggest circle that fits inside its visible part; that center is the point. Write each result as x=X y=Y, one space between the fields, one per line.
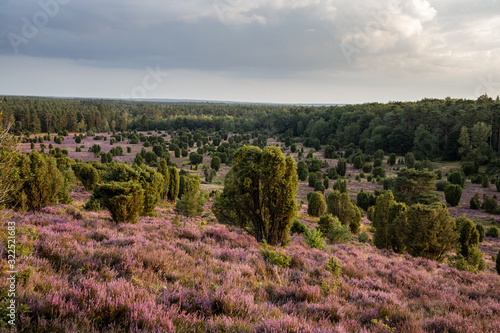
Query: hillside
x=171 y=273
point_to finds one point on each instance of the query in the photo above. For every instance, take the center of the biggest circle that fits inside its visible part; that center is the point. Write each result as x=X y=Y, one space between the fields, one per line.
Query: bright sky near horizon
x=282 y=51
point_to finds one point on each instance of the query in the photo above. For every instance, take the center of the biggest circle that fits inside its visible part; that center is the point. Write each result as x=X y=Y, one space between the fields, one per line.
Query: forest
x=216 y=217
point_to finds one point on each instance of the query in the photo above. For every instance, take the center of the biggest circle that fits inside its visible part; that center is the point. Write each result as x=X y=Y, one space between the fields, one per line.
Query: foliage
x=481 y=231
x=124 y=200
x=174 y=184
x=39 y=182
x=328 y=222
x=342 y=167
x=192 y=201
x=340 y=205
x=497 y=266
x=364 y=200
x=302 y=170
x=452 y=194
x=442 y=185
x=415 y=186
x=457 y=178
x=474 y=202
x=88 y=175
x=340 y=234
x=259 y=190
x=298 y=227
x=316 y=204
x=277 y=258
x=314 y=238
x=492 y=232
x=9 y=171
x=469 y=236
x=215 y=163
x=427 y=231
x=363 y=237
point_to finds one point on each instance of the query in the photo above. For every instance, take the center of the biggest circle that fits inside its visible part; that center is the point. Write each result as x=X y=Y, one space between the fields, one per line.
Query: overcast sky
x=285 y=51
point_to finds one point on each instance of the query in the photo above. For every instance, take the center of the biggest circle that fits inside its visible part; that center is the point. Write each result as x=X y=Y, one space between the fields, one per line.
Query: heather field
x=81 y=272
x=84 y=273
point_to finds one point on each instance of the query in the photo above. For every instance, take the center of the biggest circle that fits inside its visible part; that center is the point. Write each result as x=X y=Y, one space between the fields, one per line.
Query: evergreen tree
x=415 y=186
x=259 y=194
x=316 y=204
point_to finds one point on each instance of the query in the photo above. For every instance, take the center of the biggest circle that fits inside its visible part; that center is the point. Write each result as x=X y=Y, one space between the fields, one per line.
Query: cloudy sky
x=284 y=51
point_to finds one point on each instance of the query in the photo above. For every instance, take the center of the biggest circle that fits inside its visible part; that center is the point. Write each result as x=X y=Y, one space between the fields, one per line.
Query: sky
x=268 y=51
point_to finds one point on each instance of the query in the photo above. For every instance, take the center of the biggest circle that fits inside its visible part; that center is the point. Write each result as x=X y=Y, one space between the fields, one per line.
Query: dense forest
x=431 y=128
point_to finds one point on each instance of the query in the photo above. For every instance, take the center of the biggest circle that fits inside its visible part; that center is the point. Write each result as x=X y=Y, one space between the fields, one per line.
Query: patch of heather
x=179 y=274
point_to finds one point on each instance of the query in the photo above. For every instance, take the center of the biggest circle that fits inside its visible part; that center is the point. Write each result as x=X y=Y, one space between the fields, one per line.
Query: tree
x=192 y=200
x=9 y=172
x=415 y=186
x=342 y=167
x=302 y=170
x=152 y=183
x=427 y=231
x=173 y=189
x=498 y=263
x=469 y=236
x=457 y=178
x=215 y=163
x=474 y=147
x=452 y=194
x=88 y=175
x=163 y=170
x=316 y=204
x=392 y=159
x=124 y=200
x=259 y=193
x=40 y=180
x=339 y=204
x=380 y=218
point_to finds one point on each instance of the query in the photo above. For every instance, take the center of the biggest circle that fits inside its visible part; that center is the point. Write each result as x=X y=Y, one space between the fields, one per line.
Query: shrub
x=367 y=168
x=474 y=202
x=87 y=174
x=152 y=183
x=492 y=232
x=328 y=222
x=413 y=186
x=490 y=205
x=316 y=204
x=469 y=236
x=377 y=163
x=123 y=200
x=341 y=206
x=40 y=181
x=314 y=238
x=192 y=201
x=319 y=187
x=477 y=179
x=342 y=167
x=378 y=172
x=340 y=234
x=498 y=262
x=365 y=200
x=341 y=186
x=469 y=168
x=298 y=227
x=302 y=170
x=480 y=230
x=452 y=194
x=392 y=159
x=173 y=189
x=364 y=237
x=427 y=231
x=457 y=178
x=497 y=184
x=275 y=257
x=485 y=182
x=215 y=163
x=442 y=185
x=259 y=193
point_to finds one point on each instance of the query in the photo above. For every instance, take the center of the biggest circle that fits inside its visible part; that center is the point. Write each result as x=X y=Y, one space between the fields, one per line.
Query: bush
x=314 y=238
x=340 y=234
x=490 y=205
x=427 y=231
x=442 y=185
x=474 y=202
x=492 y=232
x=259 y=193
x=452 y=194
x=123 y=200
x=341 y=206
x=457 y=178
x=367 y=168
x=341 y=186
x=498 y=262
x=40 y=181
x=298 y=227
x=328 y=222
x=469 y=236
x=365 y=200
x=486 y=182
x=364 y=237
x=480 y=230
x=316 y=204
x=469 y=168
x=497 y=184
x=275 y=257
x=378 y=172
x=192 y=201
x=392 y=159
x=88 y=175
x=342 y=167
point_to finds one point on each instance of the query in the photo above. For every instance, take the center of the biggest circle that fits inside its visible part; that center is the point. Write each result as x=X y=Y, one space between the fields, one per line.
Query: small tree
x=316 y=205
x=341 y=206
x=192 y=201
x=457 y=178
x=474 y=202
x=215 y=163
x=328 y=222
x=173 y=189
x=498 y=262
x=415 y=186
x=342 y=167
x=123 y=200
x=365 y=200
x=163 y=170
x=88 y=175
x=427 y=231
x=259 y=193
x=452 y=194
x=392 y=159
x=302 y=170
